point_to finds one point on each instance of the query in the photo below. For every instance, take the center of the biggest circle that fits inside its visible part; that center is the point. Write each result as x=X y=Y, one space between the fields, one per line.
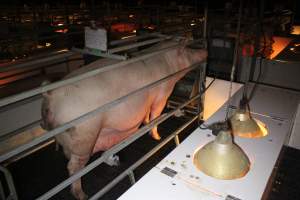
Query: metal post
x=8 y=177
x=131 y=177
x=205 y=25
x=2 y=194
x=202 y=71
x=176 y=139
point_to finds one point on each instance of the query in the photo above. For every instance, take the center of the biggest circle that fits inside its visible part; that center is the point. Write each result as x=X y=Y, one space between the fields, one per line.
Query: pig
x=108 y=128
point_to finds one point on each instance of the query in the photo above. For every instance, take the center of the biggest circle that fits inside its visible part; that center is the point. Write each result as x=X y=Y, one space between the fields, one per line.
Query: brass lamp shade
x=244 y=125
x=222 y=159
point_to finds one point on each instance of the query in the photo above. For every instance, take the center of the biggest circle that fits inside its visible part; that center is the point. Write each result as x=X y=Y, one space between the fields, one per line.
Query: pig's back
x=88 y=94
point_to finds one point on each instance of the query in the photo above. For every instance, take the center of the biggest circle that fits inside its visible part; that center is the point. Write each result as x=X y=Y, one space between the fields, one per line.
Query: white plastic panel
x=190 y=183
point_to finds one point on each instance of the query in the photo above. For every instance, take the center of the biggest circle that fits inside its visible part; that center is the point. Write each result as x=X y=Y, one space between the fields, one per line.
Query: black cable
x=209 y=85
x=199 y=122
x=260 y=67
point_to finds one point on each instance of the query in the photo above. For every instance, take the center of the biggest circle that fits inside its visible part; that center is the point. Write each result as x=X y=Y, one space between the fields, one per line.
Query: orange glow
x=279 y=44
x=263 y=127
x=123 y=27
x=263 y=131
x=62 y=30
x=296 y=30
x=18 y=77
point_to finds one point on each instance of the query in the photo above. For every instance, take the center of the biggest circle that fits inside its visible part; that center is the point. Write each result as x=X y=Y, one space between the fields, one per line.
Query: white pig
x=114 y=125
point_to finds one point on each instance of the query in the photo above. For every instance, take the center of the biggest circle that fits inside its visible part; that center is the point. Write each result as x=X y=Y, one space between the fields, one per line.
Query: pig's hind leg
x=156 y=109
x=75 y=164
x=78 y=145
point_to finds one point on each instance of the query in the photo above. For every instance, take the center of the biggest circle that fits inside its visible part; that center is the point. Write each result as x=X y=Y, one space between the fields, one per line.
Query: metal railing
x=116 y=148
x=43 y=89
x=12 y=99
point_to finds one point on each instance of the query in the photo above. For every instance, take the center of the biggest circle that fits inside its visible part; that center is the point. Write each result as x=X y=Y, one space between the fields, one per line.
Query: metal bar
x=42 y=89
x=28 y=152
x=12 y=190
x=20 y=130
x=176 y=139
x=117 y=42
x=37 y=61
x=205 y=22
x=131 y=46
x=96 y=52
x=2 y=194
x=86 y=116
x=113 y=150
x=141 y=161
x=57 y=55
x=131 y=177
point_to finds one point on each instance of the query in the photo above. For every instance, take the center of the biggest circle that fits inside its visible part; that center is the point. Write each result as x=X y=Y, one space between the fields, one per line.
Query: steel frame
x=116 y=148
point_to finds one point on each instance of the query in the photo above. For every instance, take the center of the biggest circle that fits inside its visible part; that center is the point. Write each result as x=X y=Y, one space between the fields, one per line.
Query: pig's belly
x=121 y=122
x=111 y=137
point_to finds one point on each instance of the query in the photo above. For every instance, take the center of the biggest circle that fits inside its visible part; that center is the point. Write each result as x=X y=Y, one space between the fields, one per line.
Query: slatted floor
x=44 y=169
x=287 y=180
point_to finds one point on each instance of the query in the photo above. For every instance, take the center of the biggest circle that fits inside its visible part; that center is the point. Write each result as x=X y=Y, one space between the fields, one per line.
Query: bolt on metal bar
x=113 y=150
x=86 y=116
x=141 y=160
x=42 y=89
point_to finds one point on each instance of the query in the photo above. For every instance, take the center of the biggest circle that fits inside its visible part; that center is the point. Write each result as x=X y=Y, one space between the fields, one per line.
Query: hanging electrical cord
x=235 y=58
x=244 y=103
x=217 y=126
x=260 y=66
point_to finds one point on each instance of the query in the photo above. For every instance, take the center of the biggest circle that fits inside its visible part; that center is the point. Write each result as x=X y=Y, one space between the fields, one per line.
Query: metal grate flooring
x=286 y=185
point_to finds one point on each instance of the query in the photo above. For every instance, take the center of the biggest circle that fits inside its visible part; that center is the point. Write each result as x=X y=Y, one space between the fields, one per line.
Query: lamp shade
x=222 y=159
